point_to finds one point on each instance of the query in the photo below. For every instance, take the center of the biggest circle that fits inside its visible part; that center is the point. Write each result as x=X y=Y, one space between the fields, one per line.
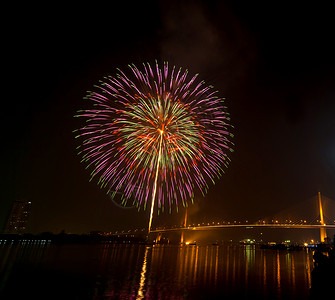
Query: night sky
x=273 y=63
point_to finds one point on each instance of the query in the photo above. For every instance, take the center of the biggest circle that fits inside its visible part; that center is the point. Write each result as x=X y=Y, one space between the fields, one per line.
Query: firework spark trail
x=156 y=133
x=155 y=182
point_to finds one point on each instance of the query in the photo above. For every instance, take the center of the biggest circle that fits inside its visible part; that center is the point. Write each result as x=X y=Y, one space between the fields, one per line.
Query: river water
x=117 y=271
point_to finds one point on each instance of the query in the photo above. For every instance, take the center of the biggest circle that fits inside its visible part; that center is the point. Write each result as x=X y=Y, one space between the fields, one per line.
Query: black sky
x=273 y=63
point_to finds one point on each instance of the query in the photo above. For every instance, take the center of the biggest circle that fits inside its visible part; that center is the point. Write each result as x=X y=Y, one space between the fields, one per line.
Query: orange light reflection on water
x=174 y=271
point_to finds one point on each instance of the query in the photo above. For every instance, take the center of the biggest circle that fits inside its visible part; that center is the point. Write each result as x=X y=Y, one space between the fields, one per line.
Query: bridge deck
x=209 y=227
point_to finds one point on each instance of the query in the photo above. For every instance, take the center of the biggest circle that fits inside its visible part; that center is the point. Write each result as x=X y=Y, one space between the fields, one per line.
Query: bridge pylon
x=182 y=237
x=323 y=233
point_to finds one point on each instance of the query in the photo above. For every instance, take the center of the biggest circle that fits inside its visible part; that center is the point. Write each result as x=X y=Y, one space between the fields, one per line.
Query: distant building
x=18 y=218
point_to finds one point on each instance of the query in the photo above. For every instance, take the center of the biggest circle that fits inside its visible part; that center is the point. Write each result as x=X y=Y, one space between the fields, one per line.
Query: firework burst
x=156 y=134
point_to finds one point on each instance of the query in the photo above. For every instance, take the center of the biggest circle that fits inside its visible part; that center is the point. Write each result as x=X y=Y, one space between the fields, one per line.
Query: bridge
x=252 y=225
x=275 y=224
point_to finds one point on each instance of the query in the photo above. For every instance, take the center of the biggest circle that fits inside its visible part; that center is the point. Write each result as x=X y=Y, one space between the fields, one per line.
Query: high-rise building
x=18 y=218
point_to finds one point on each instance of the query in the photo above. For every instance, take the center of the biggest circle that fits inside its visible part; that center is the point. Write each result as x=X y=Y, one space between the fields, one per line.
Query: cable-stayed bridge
x=322 y=220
